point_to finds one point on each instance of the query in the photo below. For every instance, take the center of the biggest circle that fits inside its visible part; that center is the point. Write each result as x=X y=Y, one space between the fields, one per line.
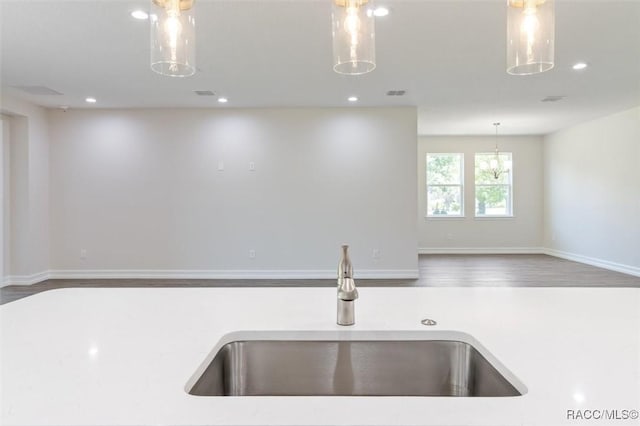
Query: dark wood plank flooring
x=516 y=270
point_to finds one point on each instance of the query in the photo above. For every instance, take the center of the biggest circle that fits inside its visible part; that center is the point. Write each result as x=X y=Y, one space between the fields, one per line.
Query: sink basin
x=348 y=367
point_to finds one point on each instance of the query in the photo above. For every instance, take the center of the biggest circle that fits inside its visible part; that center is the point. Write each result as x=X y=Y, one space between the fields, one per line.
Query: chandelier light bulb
x=173 y=32
x=352 y=27
x=530 y=28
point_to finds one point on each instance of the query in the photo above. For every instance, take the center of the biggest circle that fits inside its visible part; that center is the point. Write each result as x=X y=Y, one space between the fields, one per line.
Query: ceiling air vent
x=38 y=90
x=396 y=92
x=553 y=98
x=204 y=93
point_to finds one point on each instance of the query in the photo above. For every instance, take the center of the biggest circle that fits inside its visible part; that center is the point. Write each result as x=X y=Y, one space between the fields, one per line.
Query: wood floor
x=517 y=270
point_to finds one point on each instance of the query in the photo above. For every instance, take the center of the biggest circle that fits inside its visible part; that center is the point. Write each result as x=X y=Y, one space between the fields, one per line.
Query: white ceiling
x=448 y=55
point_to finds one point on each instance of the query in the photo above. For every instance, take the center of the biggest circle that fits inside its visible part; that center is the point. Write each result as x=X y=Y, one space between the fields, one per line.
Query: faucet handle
x=347 y=289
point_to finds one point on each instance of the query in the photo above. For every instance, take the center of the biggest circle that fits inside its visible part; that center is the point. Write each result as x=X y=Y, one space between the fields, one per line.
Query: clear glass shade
x=173 y=37
x=530 y=36
x=354 y=47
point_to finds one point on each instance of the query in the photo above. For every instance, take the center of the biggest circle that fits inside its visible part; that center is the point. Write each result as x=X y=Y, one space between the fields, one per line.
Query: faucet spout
x=347 y=291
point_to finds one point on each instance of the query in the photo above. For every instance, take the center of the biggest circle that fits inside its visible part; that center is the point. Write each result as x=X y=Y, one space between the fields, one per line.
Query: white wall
x=19 y=211
x=28 y=213
x=592 y=199
x=141 y=192
x=521 y=233
x=4 y=201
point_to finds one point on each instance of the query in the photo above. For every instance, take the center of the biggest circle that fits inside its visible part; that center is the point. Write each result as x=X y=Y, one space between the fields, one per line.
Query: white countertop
x=124 y=356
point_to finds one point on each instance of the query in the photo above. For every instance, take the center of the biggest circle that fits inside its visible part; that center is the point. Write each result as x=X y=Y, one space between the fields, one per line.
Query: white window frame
x=429 y=214
x=509 y=187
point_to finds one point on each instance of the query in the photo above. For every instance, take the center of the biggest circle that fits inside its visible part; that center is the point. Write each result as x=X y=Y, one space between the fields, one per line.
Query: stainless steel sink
x=350 y=368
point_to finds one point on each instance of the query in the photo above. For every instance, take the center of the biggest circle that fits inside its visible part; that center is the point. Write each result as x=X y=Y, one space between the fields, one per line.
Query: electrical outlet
x=83 y=254
x=221 y=166
x=252 y=254
x=252 y=166
x=449 y=237
x=375 y=254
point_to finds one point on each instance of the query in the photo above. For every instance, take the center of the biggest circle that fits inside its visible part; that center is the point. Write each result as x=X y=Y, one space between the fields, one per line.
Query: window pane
x=444 y=169
x=493 y=200
x=444 y=201
x=485 y=163
x=493 y=175
x=444 y=184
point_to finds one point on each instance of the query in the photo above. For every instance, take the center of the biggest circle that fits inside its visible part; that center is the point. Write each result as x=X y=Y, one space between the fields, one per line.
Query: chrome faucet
x=347 y=292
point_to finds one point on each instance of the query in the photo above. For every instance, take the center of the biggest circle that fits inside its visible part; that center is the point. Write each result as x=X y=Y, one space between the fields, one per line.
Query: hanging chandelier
x=173 y=37
x=496 y=165
x=530 y=36
x=353 y=28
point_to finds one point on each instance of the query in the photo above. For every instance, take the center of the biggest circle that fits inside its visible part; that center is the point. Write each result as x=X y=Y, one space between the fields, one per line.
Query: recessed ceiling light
x=140 y=14
x=91 y=100
x=380 y=11
x=580 y=66
x=93 y=351
x=352 y=99
x=223 y=100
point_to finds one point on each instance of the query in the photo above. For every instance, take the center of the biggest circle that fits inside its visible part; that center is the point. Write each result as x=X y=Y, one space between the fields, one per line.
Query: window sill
x=444 y=217
x=494 y=217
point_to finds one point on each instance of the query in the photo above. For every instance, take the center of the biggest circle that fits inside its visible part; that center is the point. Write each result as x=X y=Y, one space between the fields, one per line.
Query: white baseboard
x=482 y=250
x=207 y=274
x=25 y=279
x=612 y=266
x=230 y=274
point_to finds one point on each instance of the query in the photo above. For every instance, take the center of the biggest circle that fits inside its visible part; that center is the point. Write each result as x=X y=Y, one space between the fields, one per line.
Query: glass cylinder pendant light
x=530 y=36
x=173 y=37
x=354 y=47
